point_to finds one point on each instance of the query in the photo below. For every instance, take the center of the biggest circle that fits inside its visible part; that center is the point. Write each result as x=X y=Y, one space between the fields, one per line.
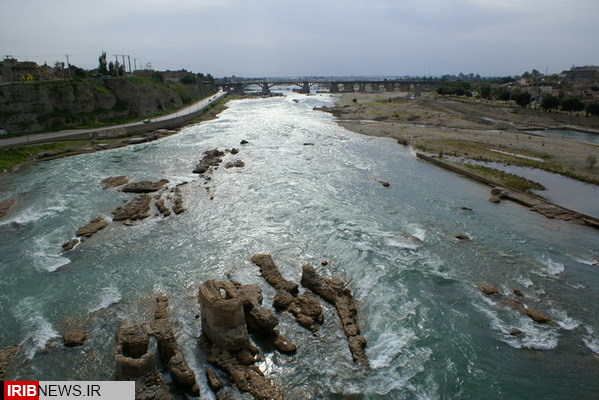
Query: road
x=49 y=136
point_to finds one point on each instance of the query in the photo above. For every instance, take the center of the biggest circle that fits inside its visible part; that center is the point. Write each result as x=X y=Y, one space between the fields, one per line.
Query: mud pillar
x=223 y=318
x=334 y=88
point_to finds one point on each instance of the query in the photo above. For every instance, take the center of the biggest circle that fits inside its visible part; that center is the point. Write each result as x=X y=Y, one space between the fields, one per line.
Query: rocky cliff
x=54 y=105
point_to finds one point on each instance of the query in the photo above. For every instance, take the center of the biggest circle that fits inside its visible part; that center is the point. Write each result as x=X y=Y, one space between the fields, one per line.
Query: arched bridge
x=336 y=86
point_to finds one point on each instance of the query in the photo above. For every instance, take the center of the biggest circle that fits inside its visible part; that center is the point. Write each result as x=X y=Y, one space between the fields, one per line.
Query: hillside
x=53 y=105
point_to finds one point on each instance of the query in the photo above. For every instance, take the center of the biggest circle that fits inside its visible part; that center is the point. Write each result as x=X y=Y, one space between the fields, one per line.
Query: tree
x=485 y=91
x=102 y=64
x=522 y=99
x=550 y=102
x=572 y=104
x=188 y=80
x=111 y=69
x=593 y=109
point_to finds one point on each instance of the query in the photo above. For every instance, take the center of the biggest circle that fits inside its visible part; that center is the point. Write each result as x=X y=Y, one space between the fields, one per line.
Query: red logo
x=17 y=390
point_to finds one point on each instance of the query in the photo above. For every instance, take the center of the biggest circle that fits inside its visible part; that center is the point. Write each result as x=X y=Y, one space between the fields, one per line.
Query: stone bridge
x=415 y=86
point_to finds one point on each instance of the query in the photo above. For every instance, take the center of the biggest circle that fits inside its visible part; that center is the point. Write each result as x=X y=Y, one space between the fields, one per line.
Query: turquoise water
x=430 y=333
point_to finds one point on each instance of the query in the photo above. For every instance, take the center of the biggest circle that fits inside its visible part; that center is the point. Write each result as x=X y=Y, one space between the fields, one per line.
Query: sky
x=296 y=38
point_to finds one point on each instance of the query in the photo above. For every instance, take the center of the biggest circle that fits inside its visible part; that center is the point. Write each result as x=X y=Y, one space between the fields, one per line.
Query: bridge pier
x=348 y=87
x=362 y=87
x=389 y=86
x=375 y=87
x=334 y=88
x=305 y=88
x=265 y=88
x=238 y=88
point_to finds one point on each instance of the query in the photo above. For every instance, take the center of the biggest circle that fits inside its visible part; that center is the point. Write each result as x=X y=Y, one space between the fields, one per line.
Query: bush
x=522 y=99
x=591 y=161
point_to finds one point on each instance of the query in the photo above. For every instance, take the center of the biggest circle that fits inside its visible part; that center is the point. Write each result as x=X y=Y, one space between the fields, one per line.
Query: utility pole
x=68 y=66
x=124 y=65
x=129 y=59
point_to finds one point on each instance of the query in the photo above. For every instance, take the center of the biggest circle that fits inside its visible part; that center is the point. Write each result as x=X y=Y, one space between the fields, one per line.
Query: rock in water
x=94 y=226
x=70 y=245
x=74 y=338
x=137 y=208
x=333 y=290
x=488 y=289
x=5 y=206
x=144 y=186
x=114 y=181
x=270 y=272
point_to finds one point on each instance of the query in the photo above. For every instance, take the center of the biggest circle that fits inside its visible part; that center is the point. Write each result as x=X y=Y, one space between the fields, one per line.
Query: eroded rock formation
x=137 y=208
x=335 y=291
x=212 y=158
x=114 y=181
x=74 y=338
x=144 y=186
x=94 y=226
x=270 y=272
x=7 y=354
x=6 y=205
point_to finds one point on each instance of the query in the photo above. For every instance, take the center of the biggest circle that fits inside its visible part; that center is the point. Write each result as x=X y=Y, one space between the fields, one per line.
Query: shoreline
x=419 y=124
x=76 y=147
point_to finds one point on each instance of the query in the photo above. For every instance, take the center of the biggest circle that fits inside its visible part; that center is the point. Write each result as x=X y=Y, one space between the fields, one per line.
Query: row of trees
x=568 y=104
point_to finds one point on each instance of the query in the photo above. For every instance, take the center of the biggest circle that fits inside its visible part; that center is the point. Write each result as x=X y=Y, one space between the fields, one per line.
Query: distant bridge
x=337 y=86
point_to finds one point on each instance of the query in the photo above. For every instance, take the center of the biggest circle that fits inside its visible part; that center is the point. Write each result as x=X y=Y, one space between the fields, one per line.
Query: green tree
x=111 y=69
x=572 y=104
x=485 y=91
x=550 y=102
x=188 y=80
x=593 y=109
x=522 y=99
x=102 y=64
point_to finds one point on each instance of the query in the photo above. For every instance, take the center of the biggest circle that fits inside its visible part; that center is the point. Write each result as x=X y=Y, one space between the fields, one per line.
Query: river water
x=431 y=334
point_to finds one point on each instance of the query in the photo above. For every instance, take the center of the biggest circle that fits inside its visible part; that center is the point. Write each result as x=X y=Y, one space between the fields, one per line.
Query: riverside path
x=138 y=126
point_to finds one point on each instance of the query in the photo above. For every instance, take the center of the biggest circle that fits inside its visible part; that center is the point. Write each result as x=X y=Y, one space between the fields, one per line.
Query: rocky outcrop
x=170 y=353
x=114 y=181
x=144 y=186
x=383 y=183
x=94 y=226
x=137 y=208
x=212 y=158
x=7 y=355
x=223 y=317
x=488 y=289
x=335 y=291
x=235 y=164
x=74 y=338
x=462 y=237
x=6 y=205
x=70 y=245
x=306 y=308
x=271 y=274
x=225 y=327
x=178 y=205
x=162 y=208
x=135 y=363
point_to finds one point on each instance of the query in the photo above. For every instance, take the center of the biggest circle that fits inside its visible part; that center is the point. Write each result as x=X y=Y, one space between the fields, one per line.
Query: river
x=431 y=334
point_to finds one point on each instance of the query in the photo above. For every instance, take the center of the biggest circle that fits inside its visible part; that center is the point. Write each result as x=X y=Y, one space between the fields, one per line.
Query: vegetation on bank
x=11 y=156
x=504 y=178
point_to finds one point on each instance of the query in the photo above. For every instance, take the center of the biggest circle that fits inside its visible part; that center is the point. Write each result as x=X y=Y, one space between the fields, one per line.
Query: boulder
x=114 y=181
x=6 y=205
x=213 y=382
x=384 y=183
x=462 y=236
x=144 y=186
x=284 y=345
x=74 y=338
x=212 y=158
x=244 y=142
x=488 y=289
x=536 y=316
x=235 y=164
x=70 y=245
x=515 y=332
x=495 y=199
x=137 y=208
x=94 y=226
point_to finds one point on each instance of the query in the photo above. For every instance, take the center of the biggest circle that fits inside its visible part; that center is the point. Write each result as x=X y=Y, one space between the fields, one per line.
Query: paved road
x=47 y=137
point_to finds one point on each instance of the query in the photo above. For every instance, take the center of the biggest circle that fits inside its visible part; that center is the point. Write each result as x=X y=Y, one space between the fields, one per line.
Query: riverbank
x=13 y=158
x=446 y=126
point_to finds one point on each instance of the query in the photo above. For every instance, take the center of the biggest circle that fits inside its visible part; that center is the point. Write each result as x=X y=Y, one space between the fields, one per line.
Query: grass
x=506 y=179
x=12 y=156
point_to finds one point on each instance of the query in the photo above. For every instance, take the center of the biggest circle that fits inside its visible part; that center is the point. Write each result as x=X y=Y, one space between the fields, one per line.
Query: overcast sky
x=309 y=37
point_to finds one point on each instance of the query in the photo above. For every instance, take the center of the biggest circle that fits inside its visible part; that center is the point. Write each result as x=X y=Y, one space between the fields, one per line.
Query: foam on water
x=591 y=339
x=29 y=216
x=110 y=295
x=38 y=331
x=563 y=319
x=551 y=268
x=535 y=336
x=46 y=256
x=587 y=260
